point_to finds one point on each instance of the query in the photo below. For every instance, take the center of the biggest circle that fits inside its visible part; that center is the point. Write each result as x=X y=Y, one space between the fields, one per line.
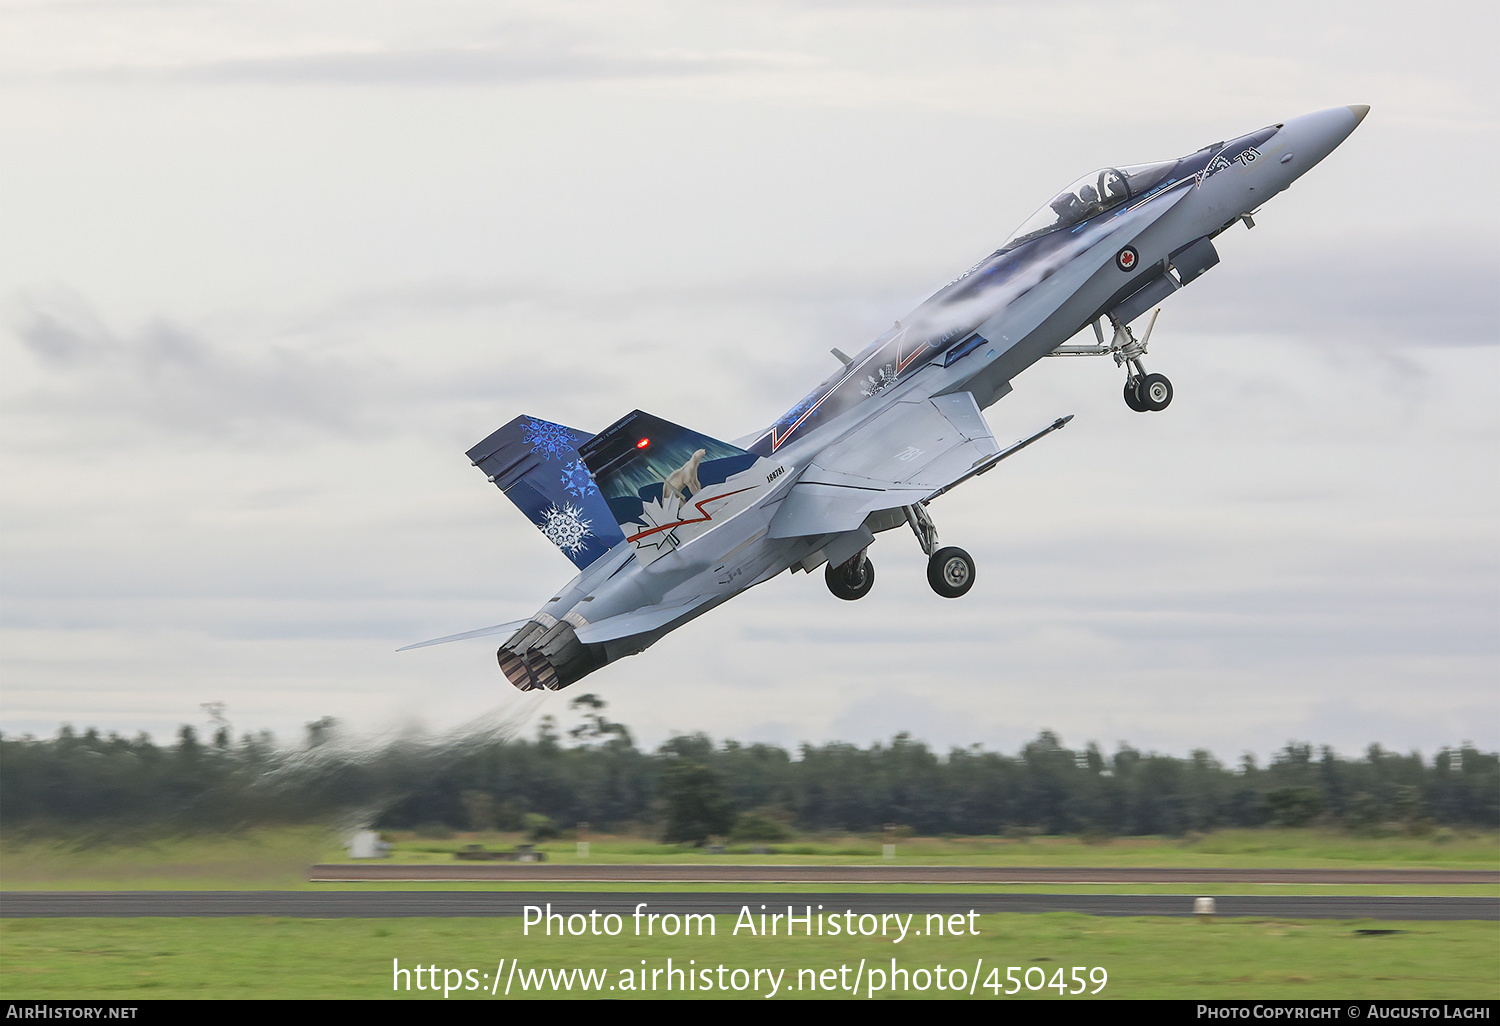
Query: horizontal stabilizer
x=483 y=632
x=536 y=464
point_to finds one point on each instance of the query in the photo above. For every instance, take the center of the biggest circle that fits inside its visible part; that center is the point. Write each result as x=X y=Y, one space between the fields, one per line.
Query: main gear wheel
x=852 y=579
x=950 y=571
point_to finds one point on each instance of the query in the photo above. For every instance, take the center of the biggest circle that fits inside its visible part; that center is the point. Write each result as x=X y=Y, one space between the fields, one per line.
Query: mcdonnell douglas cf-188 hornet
x=664 y=523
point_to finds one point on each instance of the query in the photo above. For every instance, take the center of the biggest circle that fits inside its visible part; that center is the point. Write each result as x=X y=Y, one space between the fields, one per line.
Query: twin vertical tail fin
x=661 y=482
x=536 y=464
x=667 y=485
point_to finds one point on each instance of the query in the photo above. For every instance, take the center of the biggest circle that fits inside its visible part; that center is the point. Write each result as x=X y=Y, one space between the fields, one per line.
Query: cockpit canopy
x=1092 y=194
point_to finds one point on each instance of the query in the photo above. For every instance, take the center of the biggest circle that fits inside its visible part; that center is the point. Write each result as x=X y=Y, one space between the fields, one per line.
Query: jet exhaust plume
x=361 y=776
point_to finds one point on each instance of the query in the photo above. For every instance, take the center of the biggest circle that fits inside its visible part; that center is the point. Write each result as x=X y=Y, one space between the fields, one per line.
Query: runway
x=402 y=904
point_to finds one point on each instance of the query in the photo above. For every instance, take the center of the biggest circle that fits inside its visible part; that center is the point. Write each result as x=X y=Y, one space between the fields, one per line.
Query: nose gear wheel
x=1154 y=392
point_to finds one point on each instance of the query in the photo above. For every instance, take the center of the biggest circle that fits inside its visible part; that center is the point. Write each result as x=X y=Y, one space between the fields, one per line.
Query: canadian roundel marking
x=1126 y=259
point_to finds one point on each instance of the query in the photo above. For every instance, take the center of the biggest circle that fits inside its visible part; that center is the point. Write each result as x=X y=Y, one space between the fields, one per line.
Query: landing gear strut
x=851 y=579
x=950 y=571
x=1144 y=393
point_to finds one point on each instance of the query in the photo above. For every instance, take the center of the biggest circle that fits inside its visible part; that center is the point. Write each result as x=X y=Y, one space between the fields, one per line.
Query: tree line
x=691 y=788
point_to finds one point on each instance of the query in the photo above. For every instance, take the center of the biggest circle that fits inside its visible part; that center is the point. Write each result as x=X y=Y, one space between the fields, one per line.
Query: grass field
x=1146 y=957
x=1228 y=848
x=278 y=858
x=1143 y=958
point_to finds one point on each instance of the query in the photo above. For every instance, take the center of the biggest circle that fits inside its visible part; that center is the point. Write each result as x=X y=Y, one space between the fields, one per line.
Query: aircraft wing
x=901 y=457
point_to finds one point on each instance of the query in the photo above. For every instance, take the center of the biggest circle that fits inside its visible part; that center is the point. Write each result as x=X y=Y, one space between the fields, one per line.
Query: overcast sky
x=267 y=270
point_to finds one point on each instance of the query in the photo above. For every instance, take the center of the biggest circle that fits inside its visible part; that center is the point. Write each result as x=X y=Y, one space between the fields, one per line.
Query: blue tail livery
x=536 y=464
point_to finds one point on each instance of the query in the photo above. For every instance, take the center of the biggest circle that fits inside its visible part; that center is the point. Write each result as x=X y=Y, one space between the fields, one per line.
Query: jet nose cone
x=1312 y=137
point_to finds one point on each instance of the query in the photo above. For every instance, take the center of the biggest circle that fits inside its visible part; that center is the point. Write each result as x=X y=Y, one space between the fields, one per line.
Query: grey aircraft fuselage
x=856 y=456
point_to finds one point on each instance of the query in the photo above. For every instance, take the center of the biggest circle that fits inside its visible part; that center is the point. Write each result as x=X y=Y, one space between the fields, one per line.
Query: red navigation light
x=643 y=443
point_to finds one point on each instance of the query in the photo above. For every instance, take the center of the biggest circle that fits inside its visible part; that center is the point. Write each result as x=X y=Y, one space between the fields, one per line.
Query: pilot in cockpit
x=1091 y=204
x=1068 y=208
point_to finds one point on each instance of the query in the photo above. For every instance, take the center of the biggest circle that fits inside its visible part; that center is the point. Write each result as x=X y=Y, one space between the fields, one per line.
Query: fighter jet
x=664 y=523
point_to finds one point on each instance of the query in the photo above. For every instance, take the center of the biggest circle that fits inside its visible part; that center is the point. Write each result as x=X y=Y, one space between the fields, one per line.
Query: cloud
x=168 y=376
x=1388 y=287
x=522 y=54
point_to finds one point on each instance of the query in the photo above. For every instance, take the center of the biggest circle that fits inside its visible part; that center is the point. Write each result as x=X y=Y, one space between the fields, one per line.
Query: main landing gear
x=851 y=579
x=950 y=571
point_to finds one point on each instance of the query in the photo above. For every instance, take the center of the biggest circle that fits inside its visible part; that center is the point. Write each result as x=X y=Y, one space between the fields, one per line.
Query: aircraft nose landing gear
x=1144 y=393
x=851 y=579
x=1148 y=393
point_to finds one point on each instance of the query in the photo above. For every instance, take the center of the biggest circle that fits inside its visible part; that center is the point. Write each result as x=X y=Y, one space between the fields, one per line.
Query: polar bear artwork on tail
x=683 y=482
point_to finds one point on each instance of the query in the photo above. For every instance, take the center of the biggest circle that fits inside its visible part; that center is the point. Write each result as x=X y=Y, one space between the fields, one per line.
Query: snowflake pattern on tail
x=551 y=441
x=565 y=527
x=578 y=481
